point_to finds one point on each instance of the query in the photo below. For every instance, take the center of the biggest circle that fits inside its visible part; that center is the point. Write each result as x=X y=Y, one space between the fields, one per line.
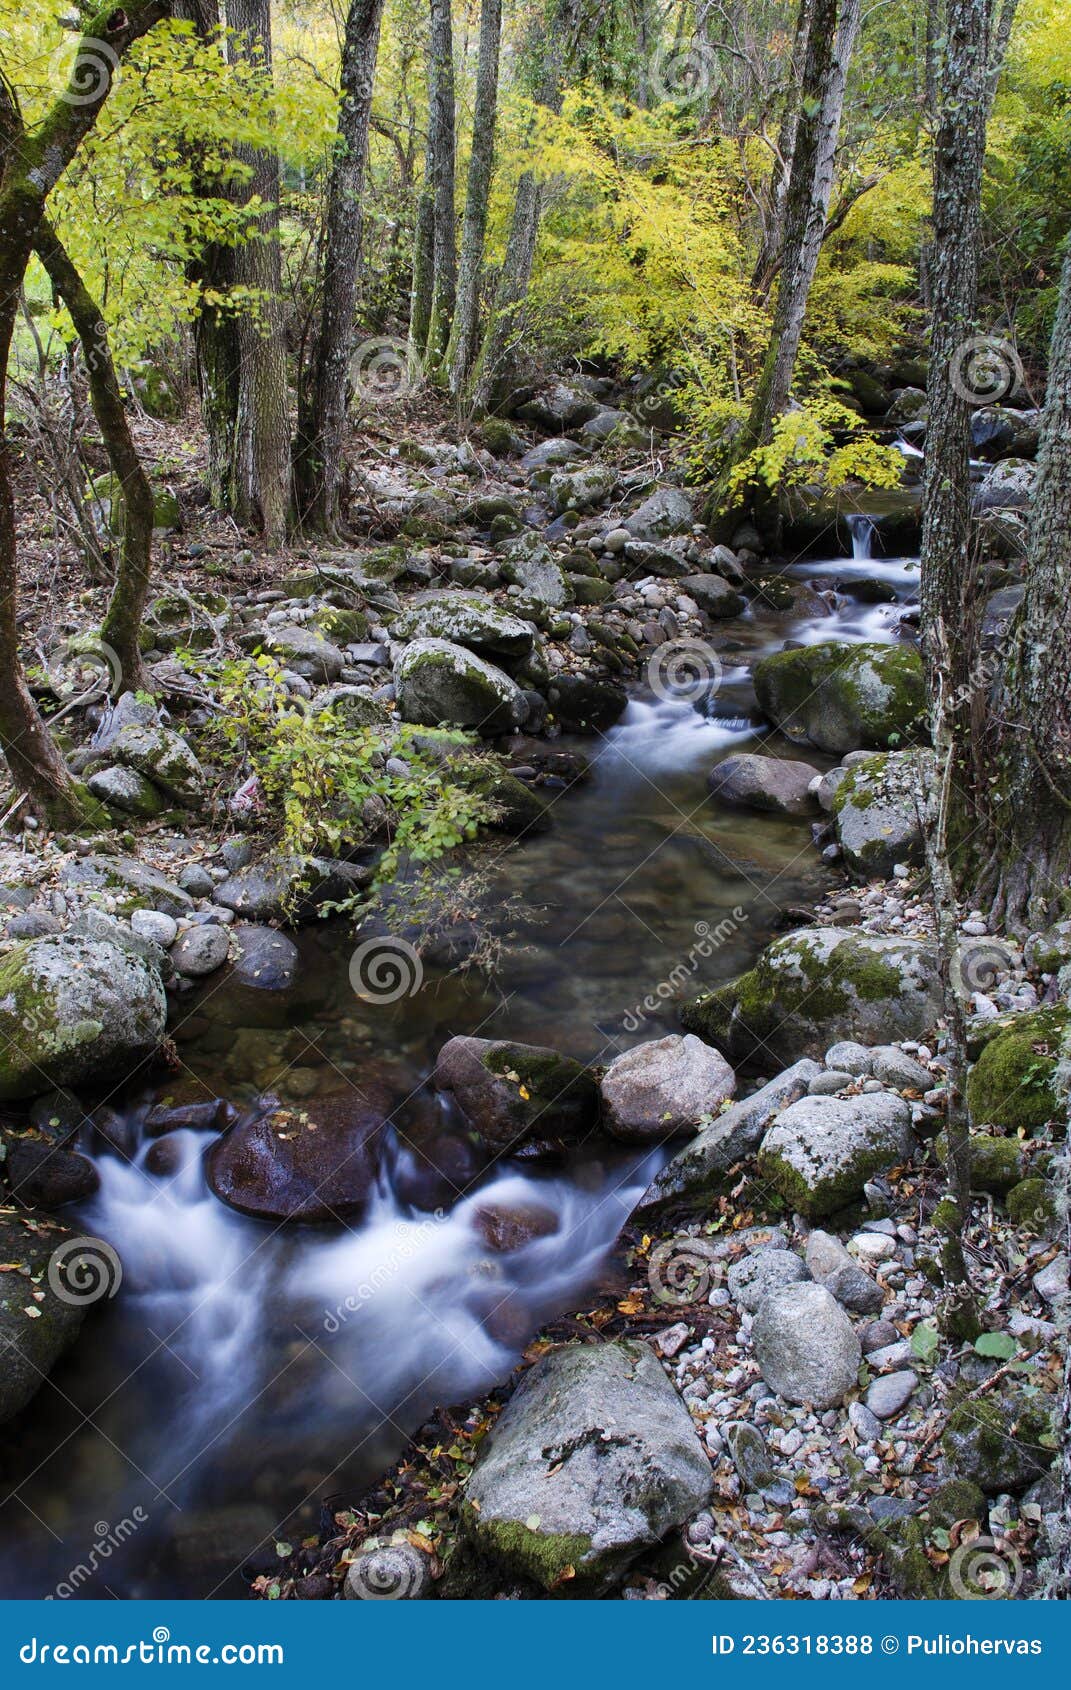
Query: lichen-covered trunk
x=443 y=172
x=322 y=395
x=773 y=233
x=122 y=622
x=461 y=349
x=830 y=44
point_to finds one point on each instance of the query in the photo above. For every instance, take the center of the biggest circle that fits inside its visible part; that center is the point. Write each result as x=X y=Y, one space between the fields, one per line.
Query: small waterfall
x=861 y=529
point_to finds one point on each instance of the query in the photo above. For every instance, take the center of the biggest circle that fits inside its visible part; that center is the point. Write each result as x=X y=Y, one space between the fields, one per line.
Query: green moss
x=1001 y=1443
x=996 y=1163
x=1031 y=1203
x=1011 y=1084
x=823 y=1197
x=540 y=1556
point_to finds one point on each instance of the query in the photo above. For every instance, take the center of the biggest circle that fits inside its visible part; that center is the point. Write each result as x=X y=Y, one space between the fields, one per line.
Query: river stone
x=667 y=511
x=886 y=1396
x=124 y=789
x=73 y=1009
x=279 y=888
x=1009 y=485
x=887 y=1063
x=154 y=925
x=713 y=595
x=583 y=490
x=505 y=1227
x=875 y=812
x=805 y=1346
x=137 y=885
x=664 y=1087
x=816 y=985
x=312 y=1164
x=550 y=453
x=30 y=1345
x=263 y=958
x=593 y=1459
x=764 y=783
x=697 y=1173
x=164 y=758
x=754 y=1277
x=467 y=619
x=831 y=1265
x=440 y=684
x=820 y=1151
x=508 y=1092
x=46 y=1176
x=587 y=703
x=996 y=1442
x=558 y=408
x=843 y=697
x=201 y=950
x=302 y=650
x=539 y=577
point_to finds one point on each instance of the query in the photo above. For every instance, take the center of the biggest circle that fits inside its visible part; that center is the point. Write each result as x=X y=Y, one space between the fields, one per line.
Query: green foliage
x=824 y=444
x=324 y=782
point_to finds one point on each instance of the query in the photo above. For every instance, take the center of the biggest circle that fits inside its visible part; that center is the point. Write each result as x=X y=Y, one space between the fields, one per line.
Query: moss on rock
x=1011 y=1084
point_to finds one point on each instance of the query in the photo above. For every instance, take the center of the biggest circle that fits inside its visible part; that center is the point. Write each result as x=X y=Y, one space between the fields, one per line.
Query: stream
x=245 y=1373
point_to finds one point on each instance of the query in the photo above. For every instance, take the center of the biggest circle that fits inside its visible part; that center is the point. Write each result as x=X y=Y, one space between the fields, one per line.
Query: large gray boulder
x=844 y=697
x=820 y=1151
x=805 y=1346
x=33 y=1334
x=663 y=1088
x=439 y=684
x=73 y=1009
x=698 y=1172
x=468 y=619
x=163 y=757
x=764 y=783
x=559 y=407
x=875 y=810
x=508 y=1092
x=668 y=511
x=301 y=649
x=593 y=1460
x=714 y=596
x=816 y=985
x=1009 y=485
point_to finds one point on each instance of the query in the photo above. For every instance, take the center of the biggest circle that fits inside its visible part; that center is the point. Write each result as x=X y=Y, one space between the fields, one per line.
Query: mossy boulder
x=820 y=1152
x=163 y=757
x=876 y=815
x=341 y=626
x=593 y=1460
x=1031 y=1203
x=509 y=1092
x=33 y=1334
x=439 y=683
x=467 y=619
x=815 y=986
x=1000 y=1443
x=844 y=697
x=905 y=1542
x=184 y=619
x=72 y=1009
x=106 y=505
x=1012 y=1083
x=996 y=1163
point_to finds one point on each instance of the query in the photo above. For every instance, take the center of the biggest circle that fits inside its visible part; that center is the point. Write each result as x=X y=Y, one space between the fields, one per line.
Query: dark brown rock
x=504 y=1228
x=316 y=1163
x=508 y=1092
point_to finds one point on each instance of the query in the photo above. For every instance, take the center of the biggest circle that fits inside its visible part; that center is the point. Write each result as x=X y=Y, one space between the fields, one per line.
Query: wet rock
x=593 y=1459
x=820 y=1152
x=698 y=1172
x=764 y=783
x=389 y=1572
x=587 y=703
x=46 y=1176
x=200 y=1117
x=466 y=619
x=508 y=1092
x=314 y=1164
x=441 y=684
x=831 y=1265
x=663 y=1088
x=30 y=1343
x=72 y=1009
x=875 y=810
x=506 y=1227
x=818 y=984
x=805 y=1346
x=842 y=698
x=754 y=1277
x=201 y=950
x=263 y=958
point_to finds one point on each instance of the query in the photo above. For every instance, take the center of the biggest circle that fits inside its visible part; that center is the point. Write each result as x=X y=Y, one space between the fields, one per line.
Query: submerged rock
x=663 y=1088
x=33 y=1333
x=72 y=1009
x=818 y=984
x=844 y=697
x=587 y=703
x=508 y=1091
x=594 y=1459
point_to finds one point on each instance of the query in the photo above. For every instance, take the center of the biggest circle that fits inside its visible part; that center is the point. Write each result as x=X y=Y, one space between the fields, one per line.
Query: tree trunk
x=122 y=622
x=774 y=231
x=322 y=399
x=261 y=445
x=462 y=346
x=32 y=164
x=948 y=560
x=830 y=43
x=1033 y=758
x=444 y=241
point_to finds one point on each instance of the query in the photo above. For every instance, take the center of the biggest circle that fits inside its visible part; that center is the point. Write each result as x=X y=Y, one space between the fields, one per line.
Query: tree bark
x=830 y=43
x=322 y=397
x=32 y=163
x=774 y=231
x=443 y=172
x=462 y=346
x=122 y=622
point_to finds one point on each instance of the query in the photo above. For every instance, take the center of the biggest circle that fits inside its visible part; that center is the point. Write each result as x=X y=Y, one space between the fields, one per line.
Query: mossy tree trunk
x=462 y=345
x=31 y=163
x=322 y=389
x=122 y=621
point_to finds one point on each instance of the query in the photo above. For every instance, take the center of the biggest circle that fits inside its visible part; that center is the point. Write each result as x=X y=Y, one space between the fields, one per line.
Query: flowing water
x=245 y=1372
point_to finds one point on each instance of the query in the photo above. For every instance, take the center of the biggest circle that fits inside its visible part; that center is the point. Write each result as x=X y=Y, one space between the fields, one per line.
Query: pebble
x=872 y=1246
x=889 y=1394
x=865 y=1422
x=161 y=929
